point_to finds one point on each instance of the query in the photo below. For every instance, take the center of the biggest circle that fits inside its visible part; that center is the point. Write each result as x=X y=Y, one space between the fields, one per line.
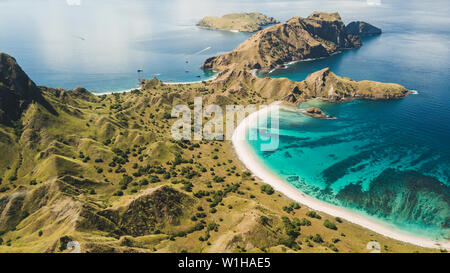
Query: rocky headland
x=362 y=29
x=319 y=35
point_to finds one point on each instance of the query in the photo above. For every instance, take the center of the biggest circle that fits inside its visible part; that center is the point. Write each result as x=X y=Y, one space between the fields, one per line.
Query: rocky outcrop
x=316 y=113
x=244 y=22
x=318 y=35
x=17 y=91
x=362 y=29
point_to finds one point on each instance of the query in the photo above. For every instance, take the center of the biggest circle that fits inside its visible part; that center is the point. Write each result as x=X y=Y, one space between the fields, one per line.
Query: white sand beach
x=254 y=164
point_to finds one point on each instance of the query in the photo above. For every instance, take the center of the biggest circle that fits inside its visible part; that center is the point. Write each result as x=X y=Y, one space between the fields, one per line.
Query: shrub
x=305 y=222
x=144 y=182
x=118 y=193
x=335 y=240
x=313 y=214
x=329 y=225
x=267 y=189
x=317 y=238
x=154 y=179
x=333 y=247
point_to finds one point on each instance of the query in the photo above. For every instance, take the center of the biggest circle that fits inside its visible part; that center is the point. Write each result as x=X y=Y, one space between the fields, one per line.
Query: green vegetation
x=329 y=225
x=267 y=189
x=245 y=22
x=313 y=214
x=291 y=207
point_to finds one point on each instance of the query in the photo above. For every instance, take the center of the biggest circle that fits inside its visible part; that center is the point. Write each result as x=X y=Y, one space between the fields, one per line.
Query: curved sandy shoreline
x=252 y=162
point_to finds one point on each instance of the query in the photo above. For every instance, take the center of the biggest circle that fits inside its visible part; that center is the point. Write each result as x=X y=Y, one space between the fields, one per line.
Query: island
x=317 y=113
x=238 y=22
x=101 y=173
x=362 y=29
x=317 y=36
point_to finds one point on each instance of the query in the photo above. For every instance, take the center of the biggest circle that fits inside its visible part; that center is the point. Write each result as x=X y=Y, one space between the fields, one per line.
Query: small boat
x=140 y=70
x=198 y=76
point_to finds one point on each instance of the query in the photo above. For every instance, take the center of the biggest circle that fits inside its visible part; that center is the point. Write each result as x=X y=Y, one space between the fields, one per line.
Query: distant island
x=243 y=22
x=362 y=29
x=316 y=36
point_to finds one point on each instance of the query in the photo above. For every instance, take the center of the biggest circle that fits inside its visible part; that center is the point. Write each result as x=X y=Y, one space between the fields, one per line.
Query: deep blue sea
x=387 y=159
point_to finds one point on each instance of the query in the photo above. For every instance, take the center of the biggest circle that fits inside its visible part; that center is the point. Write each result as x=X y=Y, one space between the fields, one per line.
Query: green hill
x=244 y=22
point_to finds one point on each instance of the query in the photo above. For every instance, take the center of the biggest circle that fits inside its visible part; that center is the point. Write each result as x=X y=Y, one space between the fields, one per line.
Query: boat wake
x=203 y=50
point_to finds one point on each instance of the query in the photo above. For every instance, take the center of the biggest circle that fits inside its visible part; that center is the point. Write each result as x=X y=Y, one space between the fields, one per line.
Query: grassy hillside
x=104 y=171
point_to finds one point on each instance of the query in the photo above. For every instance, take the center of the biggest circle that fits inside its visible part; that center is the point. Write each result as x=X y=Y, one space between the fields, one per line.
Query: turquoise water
x=387 y=159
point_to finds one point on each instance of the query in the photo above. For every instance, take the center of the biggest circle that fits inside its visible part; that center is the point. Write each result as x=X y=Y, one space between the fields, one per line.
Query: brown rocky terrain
x=318 y=35
x=323 y=84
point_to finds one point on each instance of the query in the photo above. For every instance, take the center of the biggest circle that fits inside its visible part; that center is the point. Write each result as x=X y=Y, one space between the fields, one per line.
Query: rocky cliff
x=323 y=84
x=17 y=90
x=318 y=35
x=362 y=29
